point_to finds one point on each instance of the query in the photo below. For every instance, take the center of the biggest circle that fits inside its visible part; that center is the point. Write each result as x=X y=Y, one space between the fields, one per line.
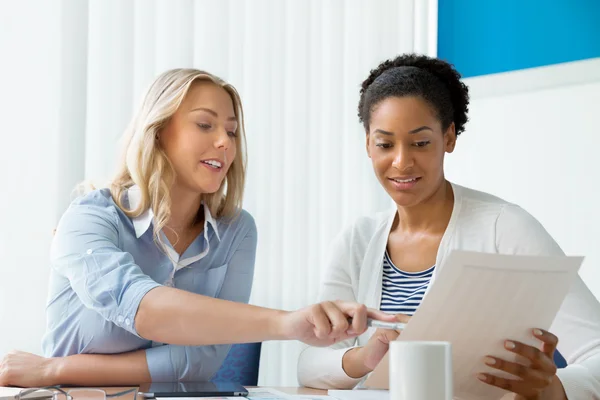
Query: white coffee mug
x=420 y=370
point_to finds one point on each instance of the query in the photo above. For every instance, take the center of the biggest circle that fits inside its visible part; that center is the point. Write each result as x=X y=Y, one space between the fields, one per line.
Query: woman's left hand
x=22 y=369
x=538 y=380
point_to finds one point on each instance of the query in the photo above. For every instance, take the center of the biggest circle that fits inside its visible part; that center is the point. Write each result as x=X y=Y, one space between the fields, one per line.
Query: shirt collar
x=142 y=222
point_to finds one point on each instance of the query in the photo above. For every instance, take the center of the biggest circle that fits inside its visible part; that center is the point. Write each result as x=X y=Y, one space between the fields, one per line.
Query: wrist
x=557 y=390
x=52 y=371
x=278 y=325
x=353 y=363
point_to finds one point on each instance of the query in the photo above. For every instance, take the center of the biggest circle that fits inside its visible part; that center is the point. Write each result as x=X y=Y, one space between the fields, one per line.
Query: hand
x=327 y=323
x=537 y=381
x=359 y=361
x=379 y=344
x=22 y=369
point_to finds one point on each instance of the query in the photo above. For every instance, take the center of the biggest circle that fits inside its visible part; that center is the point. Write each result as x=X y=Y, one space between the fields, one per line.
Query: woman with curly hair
x=413 y=108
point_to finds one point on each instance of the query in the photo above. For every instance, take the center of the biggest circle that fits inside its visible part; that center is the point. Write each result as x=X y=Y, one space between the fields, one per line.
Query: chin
x=205 y=187
x=405 y=199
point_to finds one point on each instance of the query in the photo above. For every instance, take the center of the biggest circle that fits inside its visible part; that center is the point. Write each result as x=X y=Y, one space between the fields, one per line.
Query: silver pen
x=397 y=326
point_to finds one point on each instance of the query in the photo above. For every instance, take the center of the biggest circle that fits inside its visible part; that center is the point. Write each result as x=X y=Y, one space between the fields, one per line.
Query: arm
x=327 y=367
x=168 y=363
x=106 y=279
x=99 y=369
x=577 y=323
x=185 y=363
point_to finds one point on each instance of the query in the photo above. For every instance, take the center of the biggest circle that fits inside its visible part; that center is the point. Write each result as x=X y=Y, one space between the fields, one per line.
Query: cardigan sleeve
x=320 y=367
x=577 y=324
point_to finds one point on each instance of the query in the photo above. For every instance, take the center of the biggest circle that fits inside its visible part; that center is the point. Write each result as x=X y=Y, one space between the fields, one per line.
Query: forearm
x=100 y=370
x=353 y=363
x=321 y=368
x=178 y=317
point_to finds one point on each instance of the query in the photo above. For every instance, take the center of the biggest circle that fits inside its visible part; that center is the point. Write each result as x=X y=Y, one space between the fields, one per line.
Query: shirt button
x=89 y=251
x=120 y=319
x=127 y=321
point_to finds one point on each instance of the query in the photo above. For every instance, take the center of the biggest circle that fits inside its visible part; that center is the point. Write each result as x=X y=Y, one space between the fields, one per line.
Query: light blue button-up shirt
x=103 y=263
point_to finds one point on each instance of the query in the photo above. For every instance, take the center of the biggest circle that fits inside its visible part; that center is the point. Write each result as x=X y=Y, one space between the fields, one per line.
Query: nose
x=222 y=141
x=403 y=159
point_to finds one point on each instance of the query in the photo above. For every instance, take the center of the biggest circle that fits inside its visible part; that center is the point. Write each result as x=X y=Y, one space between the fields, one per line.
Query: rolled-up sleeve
x=171 y=363
x=106 y=279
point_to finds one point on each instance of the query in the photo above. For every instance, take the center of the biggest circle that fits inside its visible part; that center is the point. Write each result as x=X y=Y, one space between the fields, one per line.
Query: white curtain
x=298 y=66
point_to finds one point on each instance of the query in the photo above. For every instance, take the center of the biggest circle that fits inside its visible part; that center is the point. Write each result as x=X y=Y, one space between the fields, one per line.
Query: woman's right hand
x=359 y=361
x=326 y=323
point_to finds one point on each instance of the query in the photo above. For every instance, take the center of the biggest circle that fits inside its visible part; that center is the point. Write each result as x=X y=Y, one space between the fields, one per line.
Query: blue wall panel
x=489 y=36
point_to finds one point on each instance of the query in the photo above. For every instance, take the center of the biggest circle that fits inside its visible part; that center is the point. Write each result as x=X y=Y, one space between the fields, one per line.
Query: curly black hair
x=432 y=79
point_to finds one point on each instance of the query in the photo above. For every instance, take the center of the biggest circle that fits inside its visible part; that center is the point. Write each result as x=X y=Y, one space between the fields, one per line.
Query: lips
x=404 y=182
x=213 y=163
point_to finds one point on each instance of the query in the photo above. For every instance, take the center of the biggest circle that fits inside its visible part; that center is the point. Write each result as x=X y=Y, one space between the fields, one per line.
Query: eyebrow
x=421 y=128
x=417 y=130
x=208 y=110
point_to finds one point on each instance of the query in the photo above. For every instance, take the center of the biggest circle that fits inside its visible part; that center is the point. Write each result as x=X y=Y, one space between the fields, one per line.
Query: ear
x=367 y=137
x=450 y=138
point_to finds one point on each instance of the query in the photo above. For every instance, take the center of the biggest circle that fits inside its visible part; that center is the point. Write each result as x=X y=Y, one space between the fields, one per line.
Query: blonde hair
x=145 y=164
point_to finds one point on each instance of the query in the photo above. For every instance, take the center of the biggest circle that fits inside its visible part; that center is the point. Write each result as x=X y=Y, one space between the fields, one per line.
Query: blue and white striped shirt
x=401 y=291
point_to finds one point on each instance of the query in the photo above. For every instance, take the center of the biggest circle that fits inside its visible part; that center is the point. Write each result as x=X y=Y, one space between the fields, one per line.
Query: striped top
x=401 y=291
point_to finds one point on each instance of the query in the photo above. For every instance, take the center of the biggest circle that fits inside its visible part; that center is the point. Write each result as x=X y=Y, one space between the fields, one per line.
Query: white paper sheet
x=477 y=302
x=360 y=394
x=272 y=394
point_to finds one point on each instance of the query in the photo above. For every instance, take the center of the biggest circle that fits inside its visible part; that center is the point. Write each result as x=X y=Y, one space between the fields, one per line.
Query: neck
x=432 y=214
x=185 y=206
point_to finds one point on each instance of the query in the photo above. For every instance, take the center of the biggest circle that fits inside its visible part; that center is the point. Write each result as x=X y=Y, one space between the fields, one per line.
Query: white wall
x=28 y=131
x=534 y=139
x=71 y=70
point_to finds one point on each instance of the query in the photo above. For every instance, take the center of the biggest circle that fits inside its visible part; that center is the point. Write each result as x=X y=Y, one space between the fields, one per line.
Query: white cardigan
x=479 y=222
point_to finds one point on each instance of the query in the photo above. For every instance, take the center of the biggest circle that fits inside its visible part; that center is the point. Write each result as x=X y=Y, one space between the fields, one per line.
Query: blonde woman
x=150 y=275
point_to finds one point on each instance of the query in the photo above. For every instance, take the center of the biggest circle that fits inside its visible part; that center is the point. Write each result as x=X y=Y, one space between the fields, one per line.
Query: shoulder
x=474 y=197
x=515 y=230
x=242 y=222
x=479 y=208
x=97 y=203
x=519 y=232
x=356 y=238
x=364 y=228
x=483 y=206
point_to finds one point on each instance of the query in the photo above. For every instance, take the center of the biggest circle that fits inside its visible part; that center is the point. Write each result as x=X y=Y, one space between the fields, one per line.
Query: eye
x=383 y=145
x=204 y=127
x=232 y=134
x=422 y=144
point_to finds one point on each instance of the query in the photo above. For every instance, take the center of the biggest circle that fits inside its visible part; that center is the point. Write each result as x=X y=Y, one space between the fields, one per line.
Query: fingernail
x=510 y=345
x=537 y=332
x=482 y=377
x=489 y=361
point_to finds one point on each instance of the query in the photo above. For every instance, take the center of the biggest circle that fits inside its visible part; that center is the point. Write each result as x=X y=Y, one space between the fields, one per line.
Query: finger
x=549 y=341
x=538 y=359
x=337 y=319
x=389 y=335
x=536 y=378
x=359 y=320
x=402 y=318
x=321 y=323
x=511 y=385
x=380 y=315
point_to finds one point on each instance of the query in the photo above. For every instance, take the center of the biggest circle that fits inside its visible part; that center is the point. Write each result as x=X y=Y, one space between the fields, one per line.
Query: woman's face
x=407 y=146
x=200 y=138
